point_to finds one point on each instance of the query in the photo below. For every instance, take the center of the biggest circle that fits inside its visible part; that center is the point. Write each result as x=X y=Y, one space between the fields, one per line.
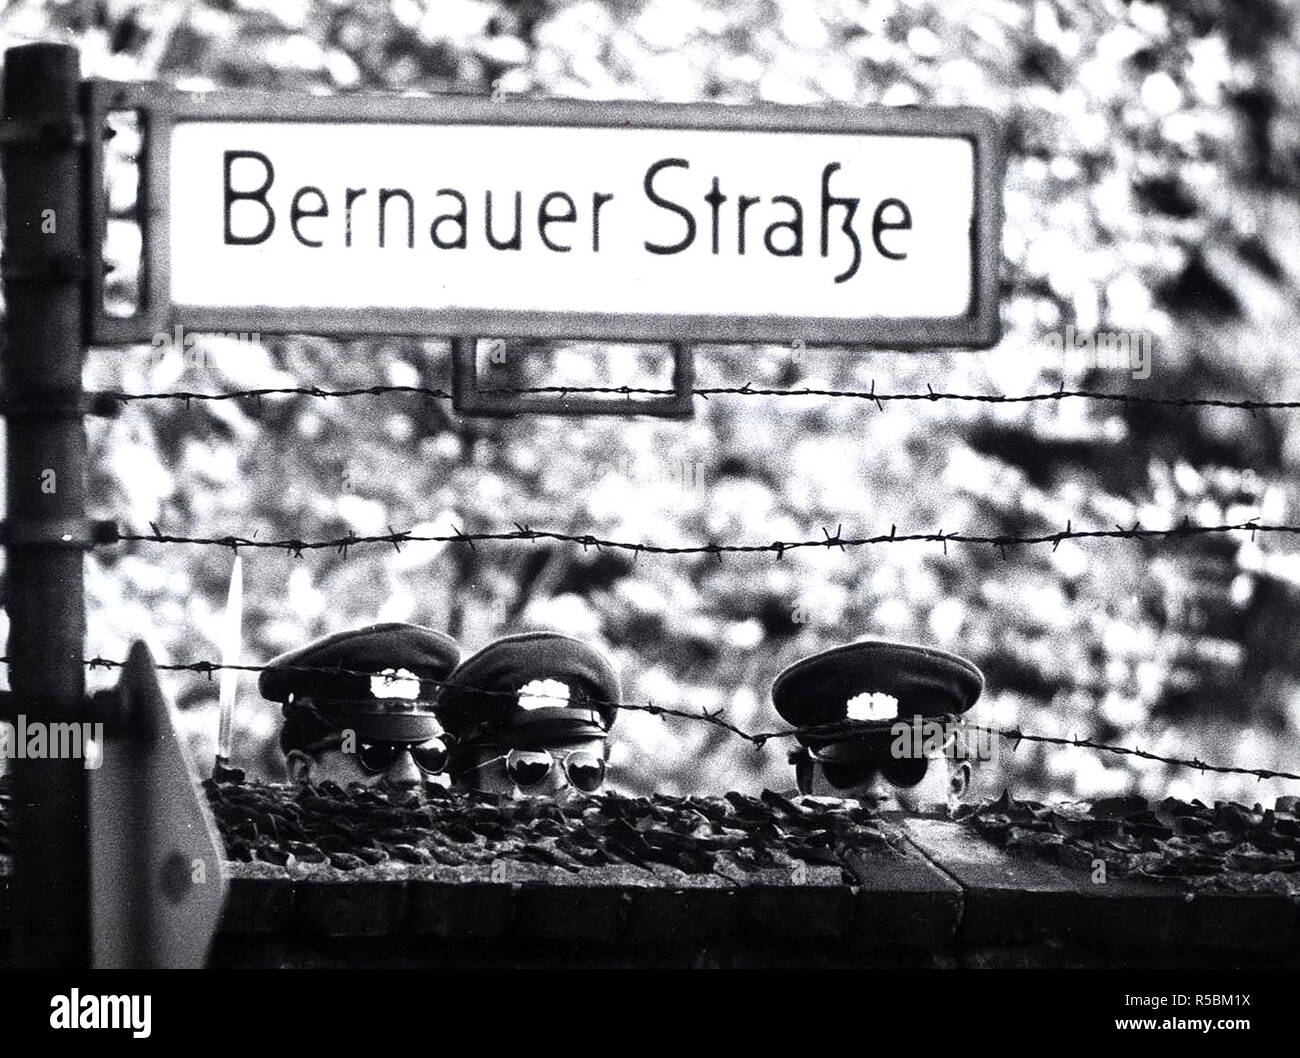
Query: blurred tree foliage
x=1154 y=151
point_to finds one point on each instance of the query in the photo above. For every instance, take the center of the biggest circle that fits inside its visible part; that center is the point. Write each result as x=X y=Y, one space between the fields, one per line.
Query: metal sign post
x=45 y=530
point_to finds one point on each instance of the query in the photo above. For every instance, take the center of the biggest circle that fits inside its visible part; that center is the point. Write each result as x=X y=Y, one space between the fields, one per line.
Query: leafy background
x=1153 y=164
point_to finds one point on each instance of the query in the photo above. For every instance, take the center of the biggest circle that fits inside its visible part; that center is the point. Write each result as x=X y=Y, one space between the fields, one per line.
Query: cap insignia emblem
x=395 y=683
x=873 y=705
x=543 y=694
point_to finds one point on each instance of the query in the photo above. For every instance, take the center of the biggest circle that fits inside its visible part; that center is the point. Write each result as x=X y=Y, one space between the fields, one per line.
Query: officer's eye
x=527 y=768
x=585 y=771
x=843 y=776
x=377 y=756
x=906 y=771
x=431 y=756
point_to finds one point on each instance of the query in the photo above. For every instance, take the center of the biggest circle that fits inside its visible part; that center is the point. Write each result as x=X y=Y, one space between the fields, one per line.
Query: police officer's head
x=360 y=706
x=877 y=722
x=531 y=714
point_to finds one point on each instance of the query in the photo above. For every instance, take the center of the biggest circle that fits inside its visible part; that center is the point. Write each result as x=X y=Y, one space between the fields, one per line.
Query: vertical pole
x=45 y=532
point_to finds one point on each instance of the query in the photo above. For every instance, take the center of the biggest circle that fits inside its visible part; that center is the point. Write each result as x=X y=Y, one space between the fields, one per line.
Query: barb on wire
x=747 y=390
x=1016 y=735
x=316 y=392
x=1000 y=541
x=716 y=719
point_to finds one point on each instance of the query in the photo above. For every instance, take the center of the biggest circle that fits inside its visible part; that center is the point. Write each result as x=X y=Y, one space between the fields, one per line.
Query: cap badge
x=543 y=694
x=875 y=705
x=395 y=683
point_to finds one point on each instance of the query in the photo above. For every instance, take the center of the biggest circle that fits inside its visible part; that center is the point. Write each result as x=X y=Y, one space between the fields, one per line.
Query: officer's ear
x=298 y=765
x=959 y=778
x=803 y=769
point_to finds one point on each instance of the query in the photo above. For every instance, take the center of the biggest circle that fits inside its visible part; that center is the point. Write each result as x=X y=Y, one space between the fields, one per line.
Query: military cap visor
x=393 y=721
x=482 y=702
x=390 y=662
x=862 y=741
x=546 y=728
x=815 y=693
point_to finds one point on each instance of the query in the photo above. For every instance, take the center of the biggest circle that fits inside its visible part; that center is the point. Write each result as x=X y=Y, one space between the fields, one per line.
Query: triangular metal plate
x=156 y=881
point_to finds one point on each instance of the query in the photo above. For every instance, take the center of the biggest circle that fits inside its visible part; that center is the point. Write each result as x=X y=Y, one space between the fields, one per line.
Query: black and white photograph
x=569 y=485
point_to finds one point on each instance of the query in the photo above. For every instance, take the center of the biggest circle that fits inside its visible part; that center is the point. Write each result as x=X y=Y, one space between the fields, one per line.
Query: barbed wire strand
x=1002 y=541
x=716 y=718
x=1017 y=736
x=872 y=395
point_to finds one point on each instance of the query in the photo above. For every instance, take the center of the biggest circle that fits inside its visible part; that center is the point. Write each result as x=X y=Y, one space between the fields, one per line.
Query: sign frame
x=161 y=108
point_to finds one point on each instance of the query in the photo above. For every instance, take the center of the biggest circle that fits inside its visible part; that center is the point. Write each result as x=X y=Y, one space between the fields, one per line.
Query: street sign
x=466 y=216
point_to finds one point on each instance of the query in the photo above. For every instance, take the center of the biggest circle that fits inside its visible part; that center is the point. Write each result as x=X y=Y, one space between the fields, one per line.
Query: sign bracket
x=147 y=101
x=469 y=399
